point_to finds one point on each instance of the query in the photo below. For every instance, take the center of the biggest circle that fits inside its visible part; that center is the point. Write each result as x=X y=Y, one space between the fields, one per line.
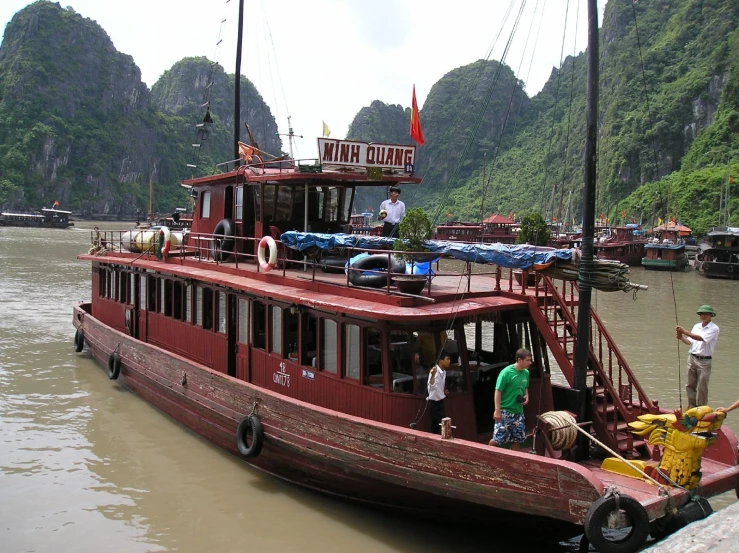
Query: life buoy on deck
x=264 y=243
x=596 y=521
x=165 y=243
x=374 y=262
x=224 y=239
x=250 y=427
x=79 y=340
x=114 y=365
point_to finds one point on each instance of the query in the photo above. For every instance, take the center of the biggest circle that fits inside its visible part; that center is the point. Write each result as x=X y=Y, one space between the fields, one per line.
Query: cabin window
x=332 y=211
x=291 y=318
x=328 y=346
x=188 y=303
x=205 y=205
x=199 y=305
x=348 y=197
x=243 y=321
x=373 y=359
x=132 y=288
x=276 y=334
x=239 y=203
x=283 y=203
x=116 y=283
x=142 y=292
x=160 y=293
x=221 y=312
x=259 y=324
x=124 y=287
x=152 y=297
x=102 y=281
x=168 y=298
x=352 y=345
x=207 y=309
x=308 y=339
x=403 y=364
x=177 y=301
x=257 y=204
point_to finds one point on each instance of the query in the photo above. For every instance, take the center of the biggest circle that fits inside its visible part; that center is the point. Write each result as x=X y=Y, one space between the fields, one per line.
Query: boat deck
x=450 y=289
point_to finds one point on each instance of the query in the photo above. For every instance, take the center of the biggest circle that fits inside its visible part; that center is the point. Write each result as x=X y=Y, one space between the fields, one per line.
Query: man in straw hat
x=702 y=341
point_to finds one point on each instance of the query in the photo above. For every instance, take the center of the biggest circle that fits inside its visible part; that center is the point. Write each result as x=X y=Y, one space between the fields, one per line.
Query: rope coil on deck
x=564 y=429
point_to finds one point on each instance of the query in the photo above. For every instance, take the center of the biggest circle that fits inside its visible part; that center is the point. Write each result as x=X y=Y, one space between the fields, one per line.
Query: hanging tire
x=595 y=524
x=250 y=426
x=79 y=340
x=224 y=243
x=114 y=365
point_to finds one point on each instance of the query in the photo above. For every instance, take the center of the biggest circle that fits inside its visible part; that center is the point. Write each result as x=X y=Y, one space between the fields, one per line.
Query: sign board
x=361 y=154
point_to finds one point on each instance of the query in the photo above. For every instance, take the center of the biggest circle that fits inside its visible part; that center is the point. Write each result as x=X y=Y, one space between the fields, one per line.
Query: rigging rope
x=659 y=188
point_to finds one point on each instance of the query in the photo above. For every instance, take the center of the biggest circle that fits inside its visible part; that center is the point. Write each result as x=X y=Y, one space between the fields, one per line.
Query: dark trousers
x=390 y=229
x=436 y=409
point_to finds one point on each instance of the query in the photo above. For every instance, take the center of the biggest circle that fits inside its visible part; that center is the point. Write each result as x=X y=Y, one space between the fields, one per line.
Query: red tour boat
x=320 y=378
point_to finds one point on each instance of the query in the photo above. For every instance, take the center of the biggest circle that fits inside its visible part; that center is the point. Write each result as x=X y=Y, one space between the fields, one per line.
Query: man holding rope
x=702 y=341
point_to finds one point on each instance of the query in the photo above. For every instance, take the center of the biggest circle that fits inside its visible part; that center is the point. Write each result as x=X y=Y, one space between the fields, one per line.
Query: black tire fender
x=375 y=262
x=730 y=268
x=79 y=340
x=224 y=246
x=597 y=516
x=250 y=425
x=114 y=365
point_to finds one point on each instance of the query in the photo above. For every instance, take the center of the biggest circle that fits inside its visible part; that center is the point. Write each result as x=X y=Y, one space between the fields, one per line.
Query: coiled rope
x=563 y=433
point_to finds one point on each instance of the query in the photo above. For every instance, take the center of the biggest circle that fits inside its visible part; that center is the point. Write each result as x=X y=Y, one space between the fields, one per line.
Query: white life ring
x=165 y=242
x=264 y=243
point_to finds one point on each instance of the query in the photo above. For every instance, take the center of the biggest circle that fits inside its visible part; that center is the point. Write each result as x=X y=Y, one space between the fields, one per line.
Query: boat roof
x=52 y=210
x=29 y=215
x=254 y=174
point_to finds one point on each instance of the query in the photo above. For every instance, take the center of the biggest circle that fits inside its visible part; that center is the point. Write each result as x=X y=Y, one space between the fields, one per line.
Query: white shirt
x=709 y=333
x=436 y=389
x=395 y=211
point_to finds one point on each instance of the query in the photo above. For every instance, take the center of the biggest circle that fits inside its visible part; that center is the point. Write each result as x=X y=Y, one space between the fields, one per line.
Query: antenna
x=290 y=135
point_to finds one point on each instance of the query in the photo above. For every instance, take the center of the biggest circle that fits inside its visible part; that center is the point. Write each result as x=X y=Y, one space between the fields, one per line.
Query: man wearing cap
x=702 y=341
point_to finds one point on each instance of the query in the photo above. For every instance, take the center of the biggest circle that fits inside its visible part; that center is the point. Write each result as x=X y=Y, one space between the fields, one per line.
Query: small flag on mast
x=416 y=130
x=326 y=130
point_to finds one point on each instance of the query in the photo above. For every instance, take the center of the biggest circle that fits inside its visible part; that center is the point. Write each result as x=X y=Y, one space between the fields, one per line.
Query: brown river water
x=86 y=466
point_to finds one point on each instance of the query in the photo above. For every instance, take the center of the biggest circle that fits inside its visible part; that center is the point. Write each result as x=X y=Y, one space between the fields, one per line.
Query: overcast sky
x=323 y=60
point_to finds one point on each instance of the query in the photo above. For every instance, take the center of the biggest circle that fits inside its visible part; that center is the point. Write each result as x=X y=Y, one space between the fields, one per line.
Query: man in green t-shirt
x=511 y=394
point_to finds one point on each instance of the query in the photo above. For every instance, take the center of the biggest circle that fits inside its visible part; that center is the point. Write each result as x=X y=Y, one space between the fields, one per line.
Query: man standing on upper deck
x=702 y=341
x=395 y=210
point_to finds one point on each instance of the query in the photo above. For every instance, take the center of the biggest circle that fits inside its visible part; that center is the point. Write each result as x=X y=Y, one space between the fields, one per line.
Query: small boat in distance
x=623 y=244
x=719 y=254
x=666 y=249
x=48 y=218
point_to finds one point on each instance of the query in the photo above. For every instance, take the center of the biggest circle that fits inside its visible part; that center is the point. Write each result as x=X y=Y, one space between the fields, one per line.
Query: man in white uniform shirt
x=438 y=391
x=395 y=210
x=702 y=341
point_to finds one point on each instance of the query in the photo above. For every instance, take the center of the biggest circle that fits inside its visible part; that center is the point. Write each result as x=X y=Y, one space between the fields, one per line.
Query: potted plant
x=414 y=229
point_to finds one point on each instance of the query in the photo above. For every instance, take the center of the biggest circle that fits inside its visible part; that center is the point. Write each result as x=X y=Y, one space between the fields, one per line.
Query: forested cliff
x=77 y=124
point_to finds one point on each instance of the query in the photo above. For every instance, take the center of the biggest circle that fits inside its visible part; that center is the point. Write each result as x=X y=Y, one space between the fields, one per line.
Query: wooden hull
x=372 y=462
x=715 y=269
x=348 y=456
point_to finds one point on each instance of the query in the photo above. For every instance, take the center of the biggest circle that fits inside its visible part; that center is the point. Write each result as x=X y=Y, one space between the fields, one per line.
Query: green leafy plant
x=414 y=229
x=534 y=230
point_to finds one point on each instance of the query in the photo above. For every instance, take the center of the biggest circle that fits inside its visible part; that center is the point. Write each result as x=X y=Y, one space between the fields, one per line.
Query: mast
x=151 y=212
x=237 y=81
x=588 y=224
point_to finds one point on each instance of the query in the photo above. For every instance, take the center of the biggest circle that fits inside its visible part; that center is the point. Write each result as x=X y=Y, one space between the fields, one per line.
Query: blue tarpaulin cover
x=511 y=256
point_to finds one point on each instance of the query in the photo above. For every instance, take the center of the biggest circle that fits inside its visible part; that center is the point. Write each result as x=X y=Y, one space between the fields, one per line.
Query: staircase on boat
x=617 y=398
